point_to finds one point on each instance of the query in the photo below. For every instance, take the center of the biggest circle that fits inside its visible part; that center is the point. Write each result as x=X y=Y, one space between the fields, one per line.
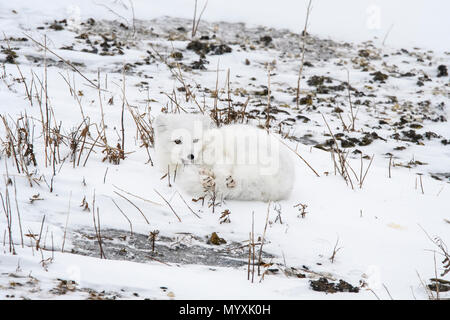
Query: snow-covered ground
x=377 y=229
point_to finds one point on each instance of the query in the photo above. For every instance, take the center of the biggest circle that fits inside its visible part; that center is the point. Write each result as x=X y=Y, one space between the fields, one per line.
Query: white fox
x=231 y=162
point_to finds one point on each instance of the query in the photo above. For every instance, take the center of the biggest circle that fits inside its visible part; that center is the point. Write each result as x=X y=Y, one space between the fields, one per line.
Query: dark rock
x=199 y=65
x=442 y=71
x=412 y=136
x=407 y=74
x=220 y=49
x=203 y=48
x=415 y=126
x=215 y=239
x=424 y=78
x=439 y=285
x=431 y=135
x=344 y=286
x=366 y=140
x=83 y=36
x=198 y=47
x=316 y=81
x=441 y=118
x=11 y=55
x=177 y=55
x=303 y=118
x=379 y=76
x=364 y=53
x=57 y=27
x=349 y=143
x=266 y=40
x=306 y=100
x=323 y=285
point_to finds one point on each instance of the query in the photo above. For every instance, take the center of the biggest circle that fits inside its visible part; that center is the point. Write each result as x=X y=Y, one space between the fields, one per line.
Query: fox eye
x=178 y=141
x=195 y=140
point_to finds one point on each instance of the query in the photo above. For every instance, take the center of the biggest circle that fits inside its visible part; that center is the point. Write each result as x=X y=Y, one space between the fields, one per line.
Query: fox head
x=179 y=138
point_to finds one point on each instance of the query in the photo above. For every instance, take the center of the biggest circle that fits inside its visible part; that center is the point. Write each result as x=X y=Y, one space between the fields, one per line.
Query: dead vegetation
x=437 y=285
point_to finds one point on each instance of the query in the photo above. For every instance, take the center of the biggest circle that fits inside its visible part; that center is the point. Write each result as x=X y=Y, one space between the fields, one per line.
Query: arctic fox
x=231 y=162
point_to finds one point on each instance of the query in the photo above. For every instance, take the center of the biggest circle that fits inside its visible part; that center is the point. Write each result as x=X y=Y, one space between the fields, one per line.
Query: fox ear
x=160 y=123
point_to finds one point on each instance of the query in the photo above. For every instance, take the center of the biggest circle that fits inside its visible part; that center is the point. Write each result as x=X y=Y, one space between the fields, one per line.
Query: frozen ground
x=399 y=146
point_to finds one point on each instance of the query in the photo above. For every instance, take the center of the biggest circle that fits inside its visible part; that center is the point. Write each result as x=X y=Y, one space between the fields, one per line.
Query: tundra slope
x=401 y=104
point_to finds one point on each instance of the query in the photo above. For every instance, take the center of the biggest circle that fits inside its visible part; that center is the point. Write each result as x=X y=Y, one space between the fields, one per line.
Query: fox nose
x=190 y=156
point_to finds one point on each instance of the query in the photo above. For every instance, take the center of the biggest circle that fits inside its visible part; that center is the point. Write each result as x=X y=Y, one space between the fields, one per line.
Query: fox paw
x=230 y=183
x=207 y=178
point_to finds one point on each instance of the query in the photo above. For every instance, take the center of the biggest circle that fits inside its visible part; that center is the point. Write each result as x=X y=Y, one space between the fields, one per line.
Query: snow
x=406 y=23
x=380 y=227
x=148 y=279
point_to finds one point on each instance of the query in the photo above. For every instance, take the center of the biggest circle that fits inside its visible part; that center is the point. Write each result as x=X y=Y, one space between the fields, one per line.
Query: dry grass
x=195 y=21
x=342 y=165
x=304 y=35
x=335 y=251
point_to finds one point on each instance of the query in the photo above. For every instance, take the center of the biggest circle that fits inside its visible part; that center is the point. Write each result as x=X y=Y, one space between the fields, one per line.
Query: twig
x=142 y=213
x=136 y=196
x=102 y=253
x=18 y=212
x=306 y=162
x=350 y=102
x=63 y=60
x=129 y=221
x=385 y=288
x=194 y=22
x=335 y=251
x=421 y=184
x=40 y=234
x=387 y=33
x=159 y=194
x=342 y=160
x=262 y=239
x=67 y=222
x=123 y=108
x=390 y=164
x=268 y=101
x=300 y=71
x=188 y=206
x=249 y=255
x=367 y=170
x=253 y=246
